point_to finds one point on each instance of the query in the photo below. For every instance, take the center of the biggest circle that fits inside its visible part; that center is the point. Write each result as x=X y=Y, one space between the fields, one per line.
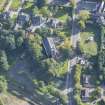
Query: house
x=101 y=20
x=86 y=80
x=50 y=47
x=23 y=19
x=91 y=6
x=85 y=94
x=59 y=2
x=54 y=23
x=4 y=15
x=92 y=0
x=81 y=61
x=101 y=7
x=37 y=20
x=90 y=39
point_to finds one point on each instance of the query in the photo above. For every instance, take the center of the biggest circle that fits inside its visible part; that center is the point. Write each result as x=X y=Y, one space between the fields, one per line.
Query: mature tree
x=35 y=48
x=44 y=31
x=73 y=3
x=96 y=94
x=3 y=84
x=45 y=12
x=4 y=66
x=77 y=76
x=82 y=24
x=78 y=100
x=101 y=57
x=41 y=3
x=19 y=41
x=54 y=68
x=65 y=48
x=7 y=39
x=35 y=10
x=83 y=16
x=10 y=41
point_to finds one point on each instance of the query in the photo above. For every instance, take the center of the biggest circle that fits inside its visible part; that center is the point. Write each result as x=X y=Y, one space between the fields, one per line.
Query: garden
x=90 y=39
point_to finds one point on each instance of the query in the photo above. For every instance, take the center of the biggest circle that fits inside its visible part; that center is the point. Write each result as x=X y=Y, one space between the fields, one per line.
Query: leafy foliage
x=3 y=61
x=102 y=55
x=3 y=84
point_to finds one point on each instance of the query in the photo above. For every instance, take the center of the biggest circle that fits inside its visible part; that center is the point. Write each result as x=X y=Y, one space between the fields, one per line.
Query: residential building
x=86 y=80
x=59 y=2
x=4 y=15
x=37 y=20
x=101 y=20
x=54 y=23
x=101 y=7
x=50 y=47
x=85 y=94
x=23 y=18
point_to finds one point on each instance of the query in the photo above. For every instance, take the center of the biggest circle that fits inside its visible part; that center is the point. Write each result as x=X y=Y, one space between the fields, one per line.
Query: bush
x=4 y=66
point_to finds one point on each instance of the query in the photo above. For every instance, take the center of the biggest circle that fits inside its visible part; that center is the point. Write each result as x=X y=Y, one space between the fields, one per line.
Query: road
x=75 y=37
x=70 y=84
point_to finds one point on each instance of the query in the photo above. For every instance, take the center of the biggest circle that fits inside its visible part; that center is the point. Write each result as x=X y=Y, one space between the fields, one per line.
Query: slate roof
x=86 y=80
x=22 y=19
x=49 y=47
x=37 y=20
x=4 y=15
x=101 y=7
x=101 y=20
x=85 y=94
x=59 y=2
x=54 y=23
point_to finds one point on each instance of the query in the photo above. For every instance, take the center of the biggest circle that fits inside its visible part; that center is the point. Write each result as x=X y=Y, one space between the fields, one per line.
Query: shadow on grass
x=20 y=84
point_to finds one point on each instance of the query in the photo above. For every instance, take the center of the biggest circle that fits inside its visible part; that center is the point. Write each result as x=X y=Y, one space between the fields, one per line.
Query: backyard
x=90 y=47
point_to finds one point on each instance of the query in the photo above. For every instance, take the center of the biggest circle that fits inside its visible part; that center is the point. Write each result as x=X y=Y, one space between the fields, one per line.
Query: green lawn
x=2 y=2
x=15 y=4
x=90 y=47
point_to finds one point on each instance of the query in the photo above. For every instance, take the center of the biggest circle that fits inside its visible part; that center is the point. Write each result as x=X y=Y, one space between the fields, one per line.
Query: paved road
x=70 y=84
x=75 y=36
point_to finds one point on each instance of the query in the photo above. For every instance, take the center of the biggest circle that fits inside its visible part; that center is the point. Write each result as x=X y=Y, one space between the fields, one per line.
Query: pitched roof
x=49 y=46
x=37 y=20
